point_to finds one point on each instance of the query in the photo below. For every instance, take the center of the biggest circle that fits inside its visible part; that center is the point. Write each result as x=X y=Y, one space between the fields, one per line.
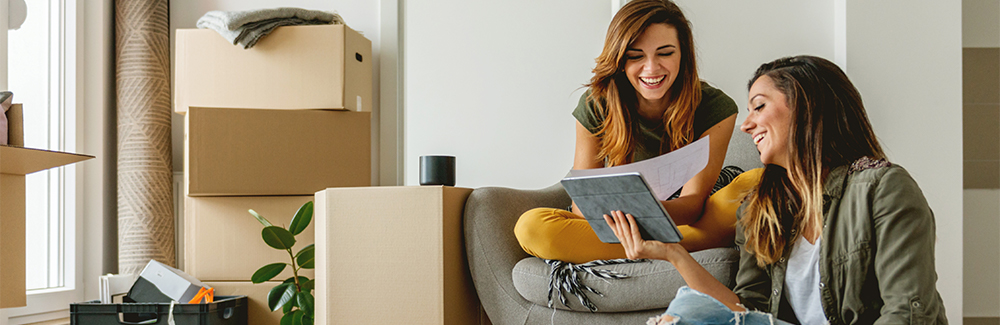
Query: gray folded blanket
x=247 y=27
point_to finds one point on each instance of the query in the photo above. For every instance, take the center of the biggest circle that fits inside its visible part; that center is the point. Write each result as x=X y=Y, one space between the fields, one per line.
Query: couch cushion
x=650 y=285
x=742 y=152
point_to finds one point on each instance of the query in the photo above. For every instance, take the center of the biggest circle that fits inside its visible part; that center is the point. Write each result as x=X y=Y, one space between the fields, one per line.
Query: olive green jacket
x=877 y=254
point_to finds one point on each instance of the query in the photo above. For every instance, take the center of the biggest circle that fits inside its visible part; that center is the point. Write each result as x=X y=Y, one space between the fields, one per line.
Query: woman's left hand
x=627 y=231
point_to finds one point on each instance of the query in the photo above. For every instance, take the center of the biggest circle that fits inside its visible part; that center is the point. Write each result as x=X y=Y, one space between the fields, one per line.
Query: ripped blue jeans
x=693 y=307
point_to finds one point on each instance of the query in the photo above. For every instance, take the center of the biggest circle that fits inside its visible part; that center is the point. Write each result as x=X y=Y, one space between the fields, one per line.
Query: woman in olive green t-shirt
x=645 y=99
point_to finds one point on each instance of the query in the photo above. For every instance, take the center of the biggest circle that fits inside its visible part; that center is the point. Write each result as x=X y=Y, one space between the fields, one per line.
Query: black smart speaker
x=437 y=170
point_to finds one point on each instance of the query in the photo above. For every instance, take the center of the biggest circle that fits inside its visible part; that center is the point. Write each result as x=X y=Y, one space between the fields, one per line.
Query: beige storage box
x=15 y=162
x=257 y=311
x=393 y=246
x=222 y=241
x=263 y=152
x=294 y=67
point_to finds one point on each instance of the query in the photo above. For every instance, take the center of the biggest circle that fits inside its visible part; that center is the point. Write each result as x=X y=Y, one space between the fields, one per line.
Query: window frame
x=49 y=304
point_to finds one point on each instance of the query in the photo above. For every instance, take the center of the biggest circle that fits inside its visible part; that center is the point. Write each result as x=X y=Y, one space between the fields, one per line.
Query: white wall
x=732 y=42
x=906 y=59
x=362 y=16
x=493 y=83
x=502 y=106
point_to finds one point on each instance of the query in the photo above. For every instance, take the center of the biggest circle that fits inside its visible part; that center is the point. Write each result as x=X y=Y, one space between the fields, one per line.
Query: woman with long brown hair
x=645 y=99
x=833 y=233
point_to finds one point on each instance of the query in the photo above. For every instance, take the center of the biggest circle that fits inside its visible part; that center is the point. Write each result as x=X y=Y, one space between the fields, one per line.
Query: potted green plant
x=294 y=296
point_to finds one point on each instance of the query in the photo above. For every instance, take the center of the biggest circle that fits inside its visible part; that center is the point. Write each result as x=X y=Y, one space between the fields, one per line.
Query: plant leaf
x=309 y=247
x=277 y=237
x=260 y=218
x=287 y=308
x=301 y=219
x=297 y=317
x=280 y=295
x=307 y=320
x=306 y=257
x=308 y=286
x=306 y=302
x=267 y=272
x=291 y=280
x=289 y=318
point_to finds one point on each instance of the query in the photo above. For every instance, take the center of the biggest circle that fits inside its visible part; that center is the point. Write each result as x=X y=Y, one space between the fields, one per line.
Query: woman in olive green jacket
x=833 y=233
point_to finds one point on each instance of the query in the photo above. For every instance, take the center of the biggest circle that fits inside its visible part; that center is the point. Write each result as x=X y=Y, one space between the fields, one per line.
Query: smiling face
x=769 y=122
x=652 y=62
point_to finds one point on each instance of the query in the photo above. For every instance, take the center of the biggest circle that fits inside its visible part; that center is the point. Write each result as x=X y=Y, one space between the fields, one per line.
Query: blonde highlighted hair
x=614 y=97
x=829 y=129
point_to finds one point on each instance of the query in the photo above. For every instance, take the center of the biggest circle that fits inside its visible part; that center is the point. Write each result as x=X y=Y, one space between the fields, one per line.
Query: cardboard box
x=384 y=246
x=222 y=241
x=230 y=152
x=295 y=67
x=16 y=162
x=257 y=312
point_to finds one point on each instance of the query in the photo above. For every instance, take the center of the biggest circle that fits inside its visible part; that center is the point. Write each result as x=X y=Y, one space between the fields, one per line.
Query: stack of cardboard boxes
x=265 y=129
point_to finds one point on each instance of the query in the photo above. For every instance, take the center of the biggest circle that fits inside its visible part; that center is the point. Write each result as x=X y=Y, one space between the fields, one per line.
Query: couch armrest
x=492 y=249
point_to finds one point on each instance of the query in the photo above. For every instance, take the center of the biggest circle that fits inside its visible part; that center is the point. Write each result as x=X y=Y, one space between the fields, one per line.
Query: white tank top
x=802 y=288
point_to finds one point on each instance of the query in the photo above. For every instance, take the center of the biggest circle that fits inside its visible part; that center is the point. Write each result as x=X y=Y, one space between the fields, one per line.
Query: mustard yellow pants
x=559 y=234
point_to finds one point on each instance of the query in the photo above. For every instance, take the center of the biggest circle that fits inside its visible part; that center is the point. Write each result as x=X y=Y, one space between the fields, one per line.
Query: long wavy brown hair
x=614 y=97
x=829 y=129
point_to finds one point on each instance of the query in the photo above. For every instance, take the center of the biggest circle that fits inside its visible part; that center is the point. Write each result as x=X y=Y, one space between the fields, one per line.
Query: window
x=37 y=79
x=41 y=70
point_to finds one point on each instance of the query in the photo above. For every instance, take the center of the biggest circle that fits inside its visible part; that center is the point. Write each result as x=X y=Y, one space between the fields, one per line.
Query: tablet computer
x=600 y=194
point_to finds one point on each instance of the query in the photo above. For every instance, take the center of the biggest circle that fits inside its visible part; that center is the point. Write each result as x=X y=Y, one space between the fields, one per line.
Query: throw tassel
x=564 y=277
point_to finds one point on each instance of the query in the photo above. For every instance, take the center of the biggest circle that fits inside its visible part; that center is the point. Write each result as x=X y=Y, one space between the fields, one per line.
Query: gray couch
x=513 y=286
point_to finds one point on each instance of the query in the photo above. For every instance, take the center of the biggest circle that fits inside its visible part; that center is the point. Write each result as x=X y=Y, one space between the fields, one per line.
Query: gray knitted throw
x=245 y=28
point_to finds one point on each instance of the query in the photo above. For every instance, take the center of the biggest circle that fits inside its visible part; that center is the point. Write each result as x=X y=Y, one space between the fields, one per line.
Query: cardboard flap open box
x=15 y=162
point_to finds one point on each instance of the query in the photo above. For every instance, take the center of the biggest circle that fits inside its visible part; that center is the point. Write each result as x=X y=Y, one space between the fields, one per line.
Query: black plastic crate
x=225 y=310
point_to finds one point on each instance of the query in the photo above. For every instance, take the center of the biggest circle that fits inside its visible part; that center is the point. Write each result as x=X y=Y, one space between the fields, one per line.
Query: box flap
x=23 y=161
x=15 y=126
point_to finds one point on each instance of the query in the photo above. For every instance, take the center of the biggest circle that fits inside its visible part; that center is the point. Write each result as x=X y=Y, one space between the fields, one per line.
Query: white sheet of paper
x=665 y=173
x=112 y=285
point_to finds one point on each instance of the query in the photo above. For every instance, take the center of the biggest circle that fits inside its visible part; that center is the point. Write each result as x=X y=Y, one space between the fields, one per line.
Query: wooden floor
x=64 y=321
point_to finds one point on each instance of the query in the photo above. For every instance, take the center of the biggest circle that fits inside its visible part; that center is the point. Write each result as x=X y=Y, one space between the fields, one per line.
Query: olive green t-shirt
x=715 y=106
